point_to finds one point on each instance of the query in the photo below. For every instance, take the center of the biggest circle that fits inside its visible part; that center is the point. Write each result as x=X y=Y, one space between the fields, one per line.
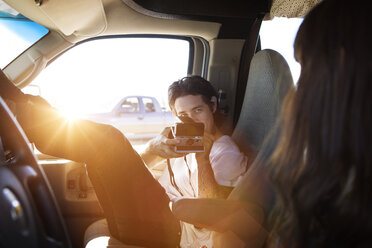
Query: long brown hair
x=322 y=166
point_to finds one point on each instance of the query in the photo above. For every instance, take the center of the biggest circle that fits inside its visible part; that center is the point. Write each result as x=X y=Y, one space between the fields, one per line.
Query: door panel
x=75 y=196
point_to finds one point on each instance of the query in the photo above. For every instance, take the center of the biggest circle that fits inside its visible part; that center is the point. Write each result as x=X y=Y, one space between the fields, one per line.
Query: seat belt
x=250 y=47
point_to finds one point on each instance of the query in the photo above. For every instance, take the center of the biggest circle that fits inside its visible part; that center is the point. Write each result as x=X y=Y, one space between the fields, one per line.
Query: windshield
x=17 y=33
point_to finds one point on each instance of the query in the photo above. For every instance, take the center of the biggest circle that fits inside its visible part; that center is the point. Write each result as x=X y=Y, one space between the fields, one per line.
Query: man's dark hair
x=191 y=85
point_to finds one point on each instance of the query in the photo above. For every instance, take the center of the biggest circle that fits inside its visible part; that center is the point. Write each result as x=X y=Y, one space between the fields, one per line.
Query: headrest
x=268 y=82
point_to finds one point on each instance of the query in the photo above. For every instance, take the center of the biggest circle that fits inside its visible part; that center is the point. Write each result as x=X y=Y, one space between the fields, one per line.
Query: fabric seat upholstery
x=268 y=83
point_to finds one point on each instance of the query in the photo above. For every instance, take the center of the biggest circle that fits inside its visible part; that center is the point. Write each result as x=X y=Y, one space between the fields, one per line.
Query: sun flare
x=70 y=114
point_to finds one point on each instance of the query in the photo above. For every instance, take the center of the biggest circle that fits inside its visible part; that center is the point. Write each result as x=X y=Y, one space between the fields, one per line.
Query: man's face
x=195 y=108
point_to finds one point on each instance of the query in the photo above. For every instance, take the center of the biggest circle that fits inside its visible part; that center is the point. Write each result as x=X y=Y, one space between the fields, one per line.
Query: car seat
x=268 y=82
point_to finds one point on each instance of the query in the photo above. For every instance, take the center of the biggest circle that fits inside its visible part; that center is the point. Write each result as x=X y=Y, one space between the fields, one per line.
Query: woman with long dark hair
x=322 y=167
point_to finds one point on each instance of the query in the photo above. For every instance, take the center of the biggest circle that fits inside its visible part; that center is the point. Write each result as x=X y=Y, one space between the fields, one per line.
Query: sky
x=13 y=45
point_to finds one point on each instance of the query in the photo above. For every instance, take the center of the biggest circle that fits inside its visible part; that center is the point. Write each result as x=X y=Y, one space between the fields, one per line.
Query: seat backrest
x=268 y=83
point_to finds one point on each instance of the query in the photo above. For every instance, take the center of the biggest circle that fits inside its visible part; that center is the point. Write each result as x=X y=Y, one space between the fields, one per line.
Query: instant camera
x=190 y=133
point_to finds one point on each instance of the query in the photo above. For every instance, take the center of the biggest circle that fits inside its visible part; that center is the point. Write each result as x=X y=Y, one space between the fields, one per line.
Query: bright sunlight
x=95 y=75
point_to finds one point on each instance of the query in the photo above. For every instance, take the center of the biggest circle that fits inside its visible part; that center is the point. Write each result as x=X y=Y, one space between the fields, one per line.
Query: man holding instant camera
x=201 y=160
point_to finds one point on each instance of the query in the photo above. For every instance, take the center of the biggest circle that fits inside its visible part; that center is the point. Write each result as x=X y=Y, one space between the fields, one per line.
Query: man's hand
x=164 y=147
x=208 y=140
x=160 y=148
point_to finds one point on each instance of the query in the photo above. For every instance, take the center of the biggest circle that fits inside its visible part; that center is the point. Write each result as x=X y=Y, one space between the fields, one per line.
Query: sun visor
x=78 y=17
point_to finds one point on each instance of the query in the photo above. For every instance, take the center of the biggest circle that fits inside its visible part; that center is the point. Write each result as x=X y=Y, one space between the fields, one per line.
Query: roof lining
x=199 y=10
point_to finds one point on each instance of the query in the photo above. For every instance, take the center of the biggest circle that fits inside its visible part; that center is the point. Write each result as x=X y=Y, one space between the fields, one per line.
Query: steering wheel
x=30 y=216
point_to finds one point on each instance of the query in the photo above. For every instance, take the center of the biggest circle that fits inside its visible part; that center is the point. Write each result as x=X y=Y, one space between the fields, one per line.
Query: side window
x=130 y=105
x=279 y=34
x=92 y=79
x=94 y=76
x=149 y=105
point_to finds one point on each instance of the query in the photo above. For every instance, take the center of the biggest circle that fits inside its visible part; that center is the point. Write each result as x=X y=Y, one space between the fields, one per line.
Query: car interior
x=50 y=202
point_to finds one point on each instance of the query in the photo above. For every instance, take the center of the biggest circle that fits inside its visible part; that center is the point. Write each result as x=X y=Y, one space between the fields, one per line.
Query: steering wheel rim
x=30 y=213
